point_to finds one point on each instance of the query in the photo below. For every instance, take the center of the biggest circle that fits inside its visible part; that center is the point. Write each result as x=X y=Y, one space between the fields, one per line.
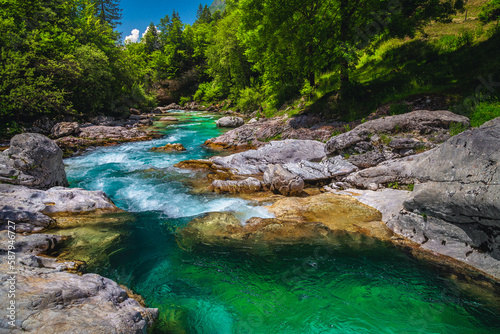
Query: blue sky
x=139 y=14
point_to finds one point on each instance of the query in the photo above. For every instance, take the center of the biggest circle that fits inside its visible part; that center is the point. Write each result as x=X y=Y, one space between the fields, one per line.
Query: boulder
x=169 y=119
x=33 y=210
x=223 y=229
x=428 y=125
x=230 y=122
x=103 y=120
x=391 y=171
x=454 y=209
x=172 y=106
x=324 y=170
x=134 y=111
x=64 y=129
x=248 y=185
x=32 y=160
x=281 y=181
x=276 y=152
x=169 y=148
x=110 y=133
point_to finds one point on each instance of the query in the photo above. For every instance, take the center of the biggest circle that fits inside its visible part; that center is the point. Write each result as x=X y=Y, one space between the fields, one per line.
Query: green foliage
x=455 y=42
x=490 y=12
x=108 y=11
x=485 y=111
x=456 y=128
x=250 y=99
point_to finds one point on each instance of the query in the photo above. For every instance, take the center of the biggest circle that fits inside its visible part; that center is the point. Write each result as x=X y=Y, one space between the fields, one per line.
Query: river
x=294 y=290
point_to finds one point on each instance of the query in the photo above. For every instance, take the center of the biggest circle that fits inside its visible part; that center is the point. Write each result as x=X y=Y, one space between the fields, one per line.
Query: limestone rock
x=110 y=133
x=32 y=209
x=230 y=122
x=278 y=152
x=64 y=129
x=391 y=171
x=169 y=119
x=32 y=160
x=223 y=229
x=325 y=170
x=455 y=210
x=281 y=181
x=367 y=160
x=423 y=123
x=169 y=148
x=249 y=185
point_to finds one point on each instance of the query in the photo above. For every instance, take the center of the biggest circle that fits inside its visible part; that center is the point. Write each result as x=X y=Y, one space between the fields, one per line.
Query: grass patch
x=484 y=111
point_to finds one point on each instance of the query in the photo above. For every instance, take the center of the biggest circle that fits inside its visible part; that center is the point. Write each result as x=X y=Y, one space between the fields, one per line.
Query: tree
x=150 y=39
x=203 y=15
x=109 y=11
x=294 y=40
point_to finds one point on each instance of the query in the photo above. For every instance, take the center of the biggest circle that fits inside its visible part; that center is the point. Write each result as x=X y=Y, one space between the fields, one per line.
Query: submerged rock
x=223 y=229
x=324 y=219
x=32 y=160
x=169 y=148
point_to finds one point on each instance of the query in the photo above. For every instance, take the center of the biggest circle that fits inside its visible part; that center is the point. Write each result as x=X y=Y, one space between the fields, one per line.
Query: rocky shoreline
x=443 y=197
x=52 y=295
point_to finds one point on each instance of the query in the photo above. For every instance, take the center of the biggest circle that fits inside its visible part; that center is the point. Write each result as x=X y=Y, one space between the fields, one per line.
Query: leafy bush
x=250 y=99
x=209 y=92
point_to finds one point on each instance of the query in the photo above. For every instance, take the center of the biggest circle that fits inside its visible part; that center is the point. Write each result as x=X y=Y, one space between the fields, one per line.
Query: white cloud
x=147 y=29
x=133 y=38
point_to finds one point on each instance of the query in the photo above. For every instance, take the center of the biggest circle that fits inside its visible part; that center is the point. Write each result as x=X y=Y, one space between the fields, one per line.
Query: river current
x=293 y=290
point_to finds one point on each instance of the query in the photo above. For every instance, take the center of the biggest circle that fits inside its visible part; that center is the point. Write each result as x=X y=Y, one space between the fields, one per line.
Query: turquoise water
x=294 y=290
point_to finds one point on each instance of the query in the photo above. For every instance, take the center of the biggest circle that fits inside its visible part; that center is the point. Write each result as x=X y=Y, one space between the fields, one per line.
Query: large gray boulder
x=32 y=160
x=31 y=209
x=230 y=122
x=428 y=126
x=276 y=152
x=455 y=210
x=281 y=181
x=324 y=170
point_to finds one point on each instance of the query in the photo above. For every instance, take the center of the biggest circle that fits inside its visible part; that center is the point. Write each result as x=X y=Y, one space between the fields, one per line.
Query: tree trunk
x=344 y=28
x=312 y=79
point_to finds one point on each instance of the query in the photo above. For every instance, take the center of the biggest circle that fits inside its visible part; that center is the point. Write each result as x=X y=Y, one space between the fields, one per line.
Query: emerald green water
x=341 y=289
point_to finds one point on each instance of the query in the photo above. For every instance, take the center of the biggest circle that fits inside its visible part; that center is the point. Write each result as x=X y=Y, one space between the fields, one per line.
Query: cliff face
x=217 y=5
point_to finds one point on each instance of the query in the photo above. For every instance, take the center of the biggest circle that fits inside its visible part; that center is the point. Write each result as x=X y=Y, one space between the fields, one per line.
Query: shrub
x=250 y=99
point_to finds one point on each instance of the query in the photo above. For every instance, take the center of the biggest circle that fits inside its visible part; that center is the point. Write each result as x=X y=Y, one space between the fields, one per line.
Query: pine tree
x=109 y=11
